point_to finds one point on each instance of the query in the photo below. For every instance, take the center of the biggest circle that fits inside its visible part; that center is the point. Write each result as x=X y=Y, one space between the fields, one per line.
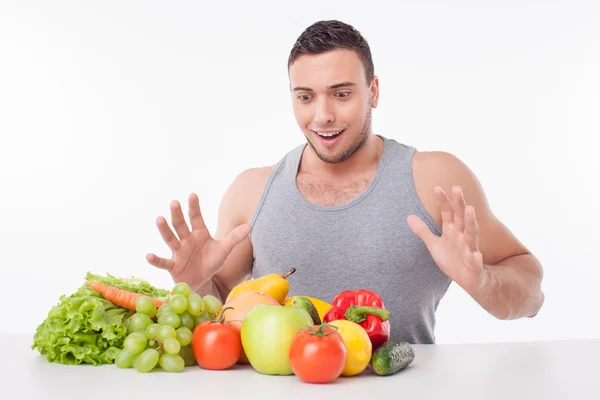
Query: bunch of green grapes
x=163 y=337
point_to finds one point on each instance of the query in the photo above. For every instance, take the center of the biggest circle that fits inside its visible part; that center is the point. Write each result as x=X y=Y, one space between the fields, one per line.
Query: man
x=350 y=209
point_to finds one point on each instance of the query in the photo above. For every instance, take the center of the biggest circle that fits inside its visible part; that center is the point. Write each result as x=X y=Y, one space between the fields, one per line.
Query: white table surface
x=535 y=370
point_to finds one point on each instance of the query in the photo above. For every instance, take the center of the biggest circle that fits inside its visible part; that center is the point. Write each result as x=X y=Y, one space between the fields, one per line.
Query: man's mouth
x=329 y=135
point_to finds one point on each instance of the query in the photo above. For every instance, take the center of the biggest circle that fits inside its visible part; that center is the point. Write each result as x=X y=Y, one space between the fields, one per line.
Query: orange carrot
x=120 y=297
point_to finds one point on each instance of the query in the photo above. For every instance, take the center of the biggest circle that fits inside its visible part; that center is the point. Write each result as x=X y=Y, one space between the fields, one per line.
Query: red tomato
x=318 y=354
x=216 y=345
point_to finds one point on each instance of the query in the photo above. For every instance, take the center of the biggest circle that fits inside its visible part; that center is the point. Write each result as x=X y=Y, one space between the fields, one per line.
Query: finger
x=234 y=238
x=446 y=206
x=421 y=230
x=475 y=261
x=196 y=219
x=178 y=221
x=459 y=204
x=478 y=258
x=167 y=234
x=160 y=262
x=471 y=232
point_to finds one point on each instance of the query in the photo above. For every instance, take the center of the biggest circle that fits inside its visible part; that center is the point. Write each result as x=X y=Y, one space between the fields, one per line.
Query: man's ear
x=374 y=92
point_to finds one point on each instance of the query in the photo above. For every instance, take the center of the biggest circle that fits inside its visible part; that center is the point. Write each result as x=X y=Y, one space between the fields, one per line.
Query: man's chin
x=333 y=157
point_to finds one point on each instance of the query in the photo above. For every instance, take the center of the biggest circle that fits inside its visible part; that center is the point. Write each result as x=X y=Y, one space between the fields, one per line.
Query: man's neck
x=364 y=159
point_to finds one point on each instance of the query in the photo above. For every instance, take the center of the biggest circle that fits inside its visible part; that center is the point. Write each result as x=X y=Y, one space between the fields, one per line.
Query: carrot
x=120 y=297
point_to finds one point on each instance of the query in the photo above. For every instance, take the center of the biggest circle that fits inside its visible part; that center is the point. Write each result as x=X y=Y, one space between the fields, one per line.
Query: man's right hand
x=196 y=255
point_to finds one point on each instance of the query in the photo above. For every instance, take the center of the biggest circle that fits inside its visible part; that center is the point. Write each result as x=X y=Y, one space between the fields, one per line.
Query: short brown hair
x=323 y=36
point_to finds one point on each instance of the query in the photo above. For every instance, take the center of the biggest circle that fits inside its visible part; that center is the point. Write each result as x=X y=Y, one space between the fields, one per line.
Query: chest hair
x=330 y=193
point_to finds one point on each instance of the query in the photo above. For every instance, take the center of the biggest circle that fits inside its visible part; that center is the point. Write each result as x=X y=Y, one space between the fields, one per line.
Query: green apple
x=267 y=333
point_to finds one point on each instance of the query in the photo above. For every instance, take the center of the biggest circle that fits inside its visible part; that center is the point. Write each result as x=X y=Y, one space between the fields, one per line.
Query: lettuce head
x=84 y=327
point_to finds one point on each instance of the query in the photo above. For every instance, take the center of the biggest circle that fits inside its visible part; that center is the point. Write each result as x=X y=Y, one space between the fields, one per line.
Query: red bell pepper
x=364 y=307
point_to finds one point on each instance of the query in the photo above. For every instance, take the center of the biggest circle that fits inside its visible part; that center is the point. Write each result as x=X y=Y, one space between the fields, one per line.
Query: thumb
x=421 y=230
x=235 y=237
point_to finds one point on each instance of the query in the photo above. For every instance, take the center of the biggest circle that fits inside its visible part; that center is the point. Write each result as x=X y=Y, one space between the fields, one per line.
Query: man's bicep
x=236 y=268
x=496 y=242
x=236 y=209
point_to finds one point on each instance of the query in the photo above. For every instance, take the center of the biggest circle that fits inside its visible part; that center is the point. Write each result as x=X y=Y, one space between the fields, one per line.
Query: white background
x=111 y=109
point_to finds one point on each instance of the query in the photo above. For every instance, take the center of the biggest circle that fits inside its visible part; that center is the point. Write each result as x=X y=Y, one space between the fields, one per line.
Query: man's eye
x=304 y=97
x=343 y=94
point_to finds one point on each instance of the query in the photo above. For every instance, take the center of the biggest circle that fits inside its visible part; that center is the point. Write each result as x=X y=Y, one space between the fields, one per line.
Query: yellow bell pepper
x=321 y=306
x=358 y=346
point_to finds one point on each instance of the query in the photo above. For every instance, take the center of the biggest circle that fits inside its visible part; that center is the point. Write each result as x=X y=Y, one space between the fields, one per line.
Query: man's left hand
x=456 y=251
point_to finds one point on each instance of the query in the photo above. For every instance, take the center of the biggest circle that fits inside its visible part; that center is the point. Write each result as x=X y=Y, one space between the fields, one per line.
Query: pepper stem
x=359 y=313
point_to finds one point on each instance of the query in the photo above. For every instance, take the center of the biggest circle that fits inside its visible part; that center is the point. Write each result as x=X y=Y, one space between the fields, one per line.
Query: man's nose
x=324 y=114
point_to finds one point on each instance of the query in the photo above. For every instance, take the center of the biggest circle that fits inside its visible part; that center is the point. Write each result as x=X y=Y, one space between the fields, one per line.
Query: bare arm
x=511 y=288
x=236 y=208
x=476 y=249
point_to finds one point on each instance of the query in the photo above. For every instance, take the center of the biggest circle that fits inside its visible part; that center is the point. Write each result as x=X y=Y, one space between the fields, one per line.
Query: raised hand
x=196 y=255
x=456 y=251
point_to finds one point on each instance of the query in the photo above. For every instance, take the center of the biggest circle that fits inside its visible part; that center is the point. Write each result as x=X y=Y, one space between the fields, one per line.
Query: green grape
x=171 y=346
x=201 y=318
x=178 y=303
x=165 y=308
x=145 y=305
x=139 y=322
x=172 y=362
x=170 y=319
x=196 y=305
x=181 y=288
x=187 y=354
x=135 y=342
x=153 y=343
x=152 y=331
x=187 y=320
x=124 y=359
x=146 y=361
x=213 y=305
x=165 y=332
x=184 y=336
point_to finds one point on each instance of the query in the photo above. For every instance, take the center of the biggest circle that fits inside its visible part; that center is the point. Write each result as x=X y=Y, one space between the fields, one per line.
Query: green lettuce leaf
x=84 y=327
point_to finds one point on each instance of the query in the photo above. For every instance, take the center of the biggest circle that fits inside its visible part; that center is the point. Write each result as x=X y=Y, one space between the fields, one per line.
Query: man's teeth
x=330 y=134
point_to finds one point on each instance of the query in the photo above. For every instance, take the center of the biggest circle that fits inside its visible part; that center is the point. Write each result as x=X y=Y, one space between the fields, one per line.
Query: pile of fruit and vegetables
x=131 y=324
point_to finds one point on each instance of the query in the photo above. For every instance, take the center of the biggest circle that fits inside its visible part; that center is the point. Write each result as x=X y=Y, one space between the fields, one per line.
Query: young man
x=350 y=209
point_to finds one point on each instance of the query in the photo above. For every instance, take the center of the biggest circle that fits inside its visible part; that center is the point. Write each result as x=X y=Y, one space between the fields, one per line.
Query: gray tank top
x=365 y=243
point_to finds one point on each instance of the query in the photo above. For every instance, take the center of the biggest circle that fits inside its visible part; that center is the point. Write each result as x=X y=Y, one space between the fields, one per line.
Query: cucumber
x=305 y=303
x=391 y=357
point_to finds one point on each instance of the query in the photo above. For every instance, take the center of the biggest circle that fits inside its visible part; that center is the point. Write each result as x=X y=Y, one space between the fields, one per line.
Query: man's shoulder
x=250 y=182
x=444 y=169
x=253 y=176
x=256 y=177
x=438 y=165
x=244 y=192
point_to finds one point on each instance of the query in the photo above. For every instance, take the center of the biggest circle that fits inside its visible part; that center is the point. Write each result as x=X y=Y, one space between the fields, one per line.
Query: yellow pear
x=275 y=285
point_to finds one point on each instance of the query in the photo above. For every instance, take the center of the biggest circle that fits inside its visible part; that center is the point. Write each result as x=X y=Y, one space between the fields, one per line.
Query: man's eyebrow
x=334 y=86
x=343 y=84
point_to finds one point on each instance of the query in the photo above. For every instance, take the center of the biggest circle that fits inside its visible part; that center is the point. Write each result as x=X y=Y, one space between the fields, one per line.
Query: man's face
x=330 y=94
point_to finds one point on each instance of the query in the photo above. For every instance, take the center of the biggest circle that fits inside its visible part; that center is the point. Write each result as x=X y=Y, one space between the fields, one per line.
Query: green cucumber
x=391 y=357
x=305 y=303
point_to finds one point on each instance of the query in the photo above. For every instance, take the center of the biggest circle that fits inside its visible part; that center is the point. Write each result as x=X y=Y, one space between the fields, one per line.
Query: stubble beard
x=352 y=147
